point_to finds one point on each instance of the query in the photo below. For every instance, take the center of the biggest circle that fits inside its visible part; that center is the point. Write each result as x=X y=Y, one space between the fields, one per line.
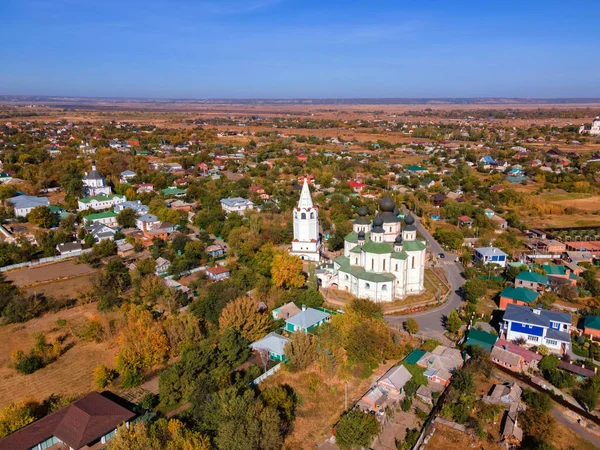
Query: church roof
x=361 y=273
x=305 y=201
x=413 y=246
x=356 y=249
x=379 y=248
x=93 y=175
x=399 y=255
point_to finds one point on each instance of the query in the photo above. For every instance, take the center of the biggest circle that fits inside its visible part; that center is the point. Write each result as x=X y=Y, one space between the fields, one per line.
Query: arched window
x=396 y=267
x=345 y=277
x=384 y=265
x=384 y=287
x=367 y=285
x=356 y=261
x=372 y=264
x=413 y=262
x=312 y=215
x=303 y=216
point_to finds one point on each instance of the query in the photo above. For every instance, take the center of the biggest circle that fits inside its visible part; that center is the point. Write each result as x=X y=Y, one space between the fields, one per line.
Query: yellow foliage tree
x=15 y=416
x=286 y=271
x=242 y=315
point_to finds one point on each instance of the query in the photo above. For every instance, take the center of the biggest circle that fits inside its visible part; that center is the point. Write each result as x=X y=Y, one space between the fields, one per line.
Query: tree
x=462 y=381
x=233 y=348
x=286 y=271
x=242 y=315
x=411 y=325
x=103 y=376
x=127 y=217
x=311 y=298
x=41 y=216
x=300 y=352
x=453 y=322
x=356 y=430
x=474 y=289
x=547 y=299
x=15 y=416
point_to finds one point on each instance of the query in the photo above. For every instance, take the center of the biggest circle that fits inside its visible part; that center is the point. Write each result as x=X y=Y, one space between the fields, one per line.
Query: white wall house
x=236 y=204
x=23 y=204
x=95 y=184
x=537 y=327
x=100 y=202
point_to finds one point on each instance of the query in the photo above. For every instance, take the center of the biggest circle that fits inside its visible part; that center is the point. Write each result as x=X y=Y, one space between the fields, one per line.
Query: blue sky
x=299 y=48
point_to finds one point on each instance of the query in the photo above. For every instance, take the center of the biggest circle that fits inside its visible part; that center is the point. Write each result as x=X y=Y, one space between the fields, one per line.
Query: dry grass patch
x=448 y=438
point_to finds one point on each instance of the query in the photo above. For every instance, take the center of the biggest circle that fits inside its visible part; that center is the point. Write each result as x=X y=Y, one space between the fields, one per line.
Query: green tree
x=356 y=430
x=233 y=348
x=127 y=217
x=411 y=325
x=300 y=352
x=41 y=216
x=453 y=322
x=474 y=289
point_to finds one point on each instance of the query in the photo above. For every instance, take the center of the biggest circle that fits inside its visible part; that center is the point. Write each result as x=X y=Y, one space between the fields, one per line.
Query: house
x=134 y=205
x=306 y=320
x=146 y=222
x=5 y=177
x=69 y=248
x=491 y=255
x=23 y=204
x=465 y=221
x=487 y=161
x=145 y=188
x=481 y=338
x=162 y=266
x=100 y=231
x=512 y=434
x=218 y=273
x=86 y=423
x=427 y=393
x=127 y=175
x=504 y=394
x=173 y=192
x=236 y=205
x=285 y=311
x=125 y=249
x=393 y=381
x=514 y=357
x=440 y=364
x=100 y=202
x=357 y=186
x=372 y=400
x=107 y=218
x=532 y=280
x=500 y=224
x=274 y=344
x=581 y=371
x=416 y=170
x=438 y=199
x=591 y=326
x=180 y=205
x=215 y=251
x=517 y=296
x=537 y=326
x=558 y=275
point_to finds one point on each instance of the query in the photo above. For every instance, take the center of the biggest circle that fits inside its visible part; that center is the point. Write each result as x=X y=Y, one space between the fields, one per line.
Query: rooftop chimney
x=303 y=307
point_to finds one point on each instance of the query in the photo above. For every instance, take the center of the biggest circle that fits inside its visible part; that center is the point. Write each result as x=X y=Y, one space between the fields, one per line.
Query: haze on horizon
x=299 y=49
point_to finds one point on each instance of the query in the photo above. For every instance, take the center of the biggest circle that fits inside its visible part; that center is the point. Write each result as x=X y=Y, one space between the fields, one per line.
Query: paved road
x=578 y=429
x=431 y=321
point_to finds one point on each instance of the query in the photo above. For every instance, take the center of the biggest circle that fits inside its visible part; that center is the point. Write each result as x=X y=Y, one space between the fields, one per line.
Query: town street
x=431 y=321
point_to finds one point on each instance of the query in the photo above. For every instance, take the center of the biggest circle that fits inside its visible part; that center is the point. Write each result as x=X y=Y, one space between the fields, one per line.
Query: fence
x=41 y=261
x=267 y=374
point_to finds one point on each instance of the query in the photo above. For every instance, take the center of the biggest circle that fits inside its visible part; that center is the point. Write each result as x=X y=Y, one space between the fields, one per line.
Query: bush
x=537 y=400
x=149 y=401
x=29 y=364
x=356 y=429
x=103 y=376
x=406 y=404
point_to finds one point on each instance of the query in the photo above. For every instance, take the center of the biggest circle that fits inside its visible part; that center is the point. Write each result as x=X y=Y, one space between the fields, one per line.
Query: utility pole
x=345 y=396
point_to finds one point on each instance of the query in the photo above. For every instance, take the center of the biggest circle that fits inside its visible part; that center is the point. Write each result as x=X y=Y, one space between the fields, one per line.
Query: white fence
x=47 y=260
x=267 y=374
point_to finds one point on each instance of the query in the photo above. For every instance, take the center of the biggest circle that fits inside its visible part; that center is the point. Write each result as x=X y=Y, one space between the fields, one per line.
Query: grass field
x=67 y=288
x=71 y=374
x=49 y=272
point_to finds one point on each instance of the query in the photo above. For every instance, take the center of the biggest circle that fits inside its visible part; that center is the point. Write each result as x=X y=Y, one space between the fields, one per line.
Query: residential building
x=532 y=280
x=145 y=188
x=127 y=176
x=440 y=364
x=215 y=251
x=23 y=204
x=107 y=218
x=69 y=248
x=100 y=231
x=307 y=239
x=162 y=266
x=591 y=327
x=537 y=326
x=89 y=422
x=372 y=400
x=514 y=357
x=146 y=222
x=393 y=381
x=134 y=205
x=173 y=192
x=218 y=273
x=236 y=205
x=274 y=344
x=383 y=260
x=491 y=255
x=100 y=202
x=94 y=183
x=285 y=311
x=306 y=320
x=517 y=296
x=481 y=338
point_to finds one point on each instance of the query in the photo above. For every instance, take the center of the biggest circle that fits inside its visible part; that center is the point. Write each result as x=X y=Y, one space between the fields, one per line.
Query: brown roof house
x=87 y=423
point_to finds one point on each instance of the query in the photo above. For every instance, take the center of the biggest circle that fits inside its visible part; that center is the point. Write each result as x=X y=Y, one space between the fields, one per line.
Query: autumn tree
x=242 y=315
x=412 y=326
x=286 y=271
x=143 y=345
x=453 y=322
x=127 y=218
x=103 y=376
x=15 y=416
x=41 y=216
x=300 y=351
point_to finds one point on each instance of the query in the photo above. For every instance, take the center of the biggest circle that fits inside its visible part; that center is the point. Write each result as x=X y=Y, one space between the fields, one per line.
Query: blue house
x=272 y=343
x=306 y=320
x=537 y=327
x=491 y=255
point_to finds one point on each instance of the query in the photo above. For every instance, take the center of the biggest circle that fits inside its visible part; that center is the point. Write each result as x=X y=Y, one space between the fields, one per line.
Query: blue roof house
x=537 y=327
x=306 y=320
x=274 y=344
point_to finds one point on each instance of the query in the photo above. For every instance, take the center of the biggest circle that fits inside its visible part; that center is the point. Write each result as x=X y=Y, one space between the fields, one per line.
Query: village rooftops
x=307 y=318
x=101 y=198
x=532 y=277
x=520 y=294
x=81 y=423
x=272 y=342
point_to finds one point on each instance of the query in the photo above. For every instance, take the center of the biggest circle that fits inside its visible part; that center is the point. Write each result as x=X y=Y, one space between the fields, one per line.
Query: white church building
x=382 y=261
x=307 y=239
x=95 y=184
x=594 y=130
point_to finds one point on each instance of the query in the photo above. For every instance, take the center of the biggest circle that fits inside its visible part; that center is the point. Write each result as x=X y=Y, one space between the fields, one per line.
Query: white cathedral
x=95 y=184
x=307 y=239
x=381 y=262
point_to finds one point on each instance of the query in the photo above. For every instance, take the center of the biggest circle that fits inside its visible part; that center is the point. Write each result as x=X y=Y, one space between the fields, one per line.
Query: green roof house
x=532 y=280
x=520 y=296
x=173 y=192
x=482 y=338
x=591 y=326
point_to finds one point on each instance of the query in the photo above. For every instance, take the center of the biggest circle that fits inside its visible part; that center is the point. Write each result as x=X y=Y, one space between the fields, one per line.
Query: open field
x=71 y=373
x=563 y=221
x=584 y=203
x=50 y=272
x=63 y=288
